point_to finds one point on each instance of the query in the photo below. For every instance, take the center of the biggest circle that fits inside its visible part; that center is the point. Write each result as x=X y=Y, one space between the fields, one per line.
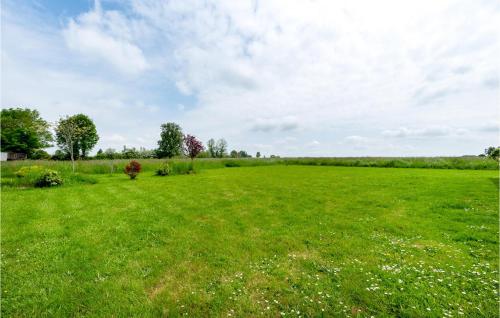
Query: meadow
x=245 y=238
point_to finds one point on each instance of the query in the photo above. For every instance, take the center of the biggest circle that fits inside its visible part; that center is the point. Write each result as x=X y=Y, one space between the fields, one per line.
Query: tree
x=493 y=152
x=170 y=144
x=40 y=154
x=257 y=154
x=243 y=154
x=233 y=154
x=111 y=153
x=23 y=130
x=212 y=148
x=86 y=135
x=60 y=155
x=67 y=132
x=192 y=146
x=130 y=153
x=220 y=148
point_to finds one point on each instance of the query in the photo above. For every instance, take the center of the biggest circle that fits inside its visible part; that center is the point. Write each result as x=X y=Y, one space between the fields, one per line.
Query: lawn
x=256 y=241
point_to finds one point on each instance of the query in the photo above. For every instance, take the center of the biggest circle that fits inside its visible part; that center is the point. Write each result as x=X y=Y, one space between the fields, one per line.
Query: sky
x=290 y=78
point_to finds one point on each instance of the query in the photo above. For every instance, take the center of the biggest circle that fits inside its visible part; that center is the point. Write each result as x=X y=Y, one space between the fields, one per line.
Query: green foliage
x=60 y=155
x=164 y=170
x=240 y=154
x=27 y=176
x=24 y=131
x=492 y=152
x=30 y=175
x=40 y=154
x=183 y=167
x=171 y=139
x=220 y=148
x=211 y=148
x=203 y=154
x=126 y=153
x=77 y=134
x=78 y=178
x=48 y=178
x=26 y=171
x=232 y=163
x=217 y=149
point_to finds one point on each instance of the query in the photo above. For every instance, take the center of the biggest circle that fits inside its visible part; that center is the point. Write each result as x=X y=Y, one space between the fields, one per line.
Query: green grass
x=116 y=166
x=255 y=241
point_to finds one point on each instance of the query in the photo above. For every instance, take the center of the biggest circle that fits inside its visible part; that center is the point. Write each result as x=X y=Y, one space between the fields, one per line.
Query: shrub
x=28 y=171
x=49 y=178
x=231 y=164
x=132 y=169
x=164 y=170
x=40 y=155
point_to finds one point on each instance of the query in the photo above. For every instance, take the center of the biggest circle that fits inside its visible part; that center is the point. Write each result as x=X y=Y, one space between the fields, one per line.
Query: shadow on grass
x=495 y=181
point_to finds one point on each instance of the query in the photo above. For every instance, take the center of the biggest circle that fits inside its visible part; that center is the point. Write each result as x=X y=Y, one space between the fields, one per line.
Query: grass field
x=116 y=166
x=274 y=240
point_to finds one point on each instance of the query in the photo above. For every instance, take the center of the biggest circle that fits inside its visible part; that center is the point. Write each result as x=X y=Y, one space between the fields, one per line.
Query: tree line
x=23 y=130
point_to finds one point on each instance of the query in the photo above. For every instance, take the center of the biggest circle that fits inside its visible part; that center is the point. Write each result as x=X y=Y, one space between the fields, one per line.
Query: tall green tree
x=85 y=137
x=171 y=139
x=211 y=148
x=23 y=130
x=221 y=148
x=493 y=152
x=67 y=134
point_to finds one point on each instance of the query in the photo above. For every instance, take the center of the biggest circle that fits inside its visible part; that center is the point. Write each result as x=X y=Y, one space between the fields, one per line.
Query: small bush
x=27 y=171
x=27 y=176
x=49 y=178
x=132 y=169
x=164 y=170
x=231 y=164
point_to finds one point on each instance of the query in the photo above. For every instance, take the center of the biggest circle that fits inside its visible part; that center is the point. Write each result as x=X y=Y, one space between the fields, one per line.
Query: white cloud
x=115 y=138
x=433 y=131
x=286 y=123
x=105 y=36
x=259 y=72
x=314 y=143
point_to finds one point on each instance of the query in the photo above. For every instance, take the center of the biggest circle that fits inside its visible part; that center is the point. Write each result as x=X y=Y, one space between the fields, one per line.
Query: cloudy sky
x=294 y=78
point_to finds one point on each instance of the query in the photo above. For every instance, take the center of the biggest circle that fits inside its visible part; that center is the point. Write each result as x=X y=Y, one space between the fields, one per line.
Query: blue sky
x=302 y=78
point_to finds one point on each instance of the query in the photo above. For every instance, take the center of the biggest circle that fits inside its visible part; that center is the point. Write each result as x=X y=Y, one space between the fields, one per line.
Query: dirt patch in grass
x=176 y=281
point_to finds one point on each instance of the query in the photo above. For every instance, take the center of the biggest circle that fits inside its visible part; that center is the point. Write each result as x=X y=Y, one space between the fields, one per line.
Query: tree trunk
x=73 y=162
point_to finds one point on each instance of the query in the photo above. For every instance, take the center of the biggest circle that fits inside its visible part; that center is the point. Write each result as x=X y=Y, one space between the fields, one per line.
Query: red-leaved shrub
x=132 y=169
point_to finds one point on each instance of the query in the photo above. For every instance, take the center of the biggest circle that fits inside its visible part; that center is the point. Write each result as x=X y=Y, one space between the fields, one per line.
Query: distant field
x=116 y=166
x=275 y=240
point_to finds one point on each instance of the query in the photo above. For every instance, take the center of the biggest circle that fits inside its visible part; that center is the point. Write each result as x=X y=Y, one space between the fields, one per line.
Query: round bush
x=49 y=178
x=164 y=170
x=132 y=169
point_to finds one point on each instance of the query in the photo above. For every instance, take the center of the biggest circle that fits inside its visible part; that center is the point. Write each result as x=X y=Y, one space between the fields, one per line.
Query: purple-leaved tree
x=192 y=146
